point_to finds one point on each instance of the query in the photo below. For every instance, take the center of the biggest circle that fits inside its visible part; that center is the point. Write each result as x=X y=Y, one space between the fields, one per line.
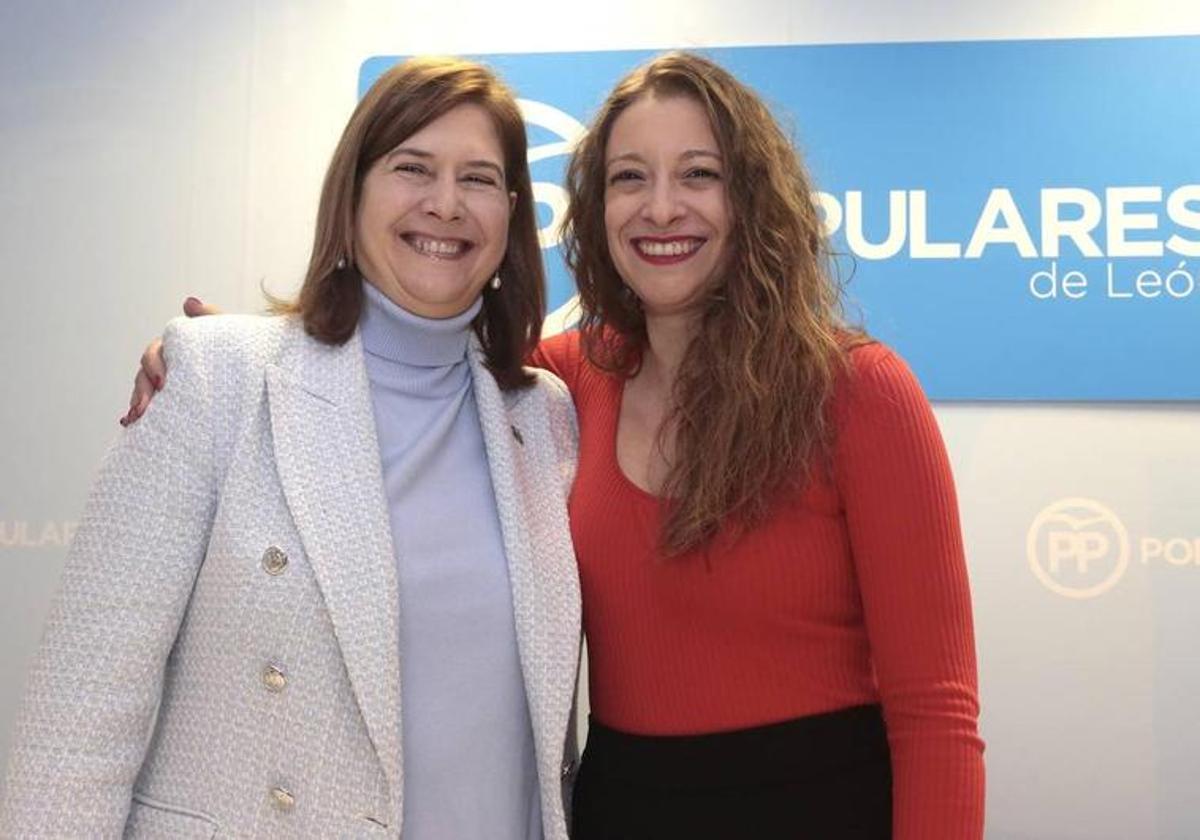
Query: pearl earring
x=495 y=284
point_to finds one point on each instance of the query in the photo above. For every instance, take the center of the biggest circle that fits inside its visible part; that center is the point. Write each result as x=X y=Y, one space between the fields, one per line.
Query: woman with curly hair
x=775 y=596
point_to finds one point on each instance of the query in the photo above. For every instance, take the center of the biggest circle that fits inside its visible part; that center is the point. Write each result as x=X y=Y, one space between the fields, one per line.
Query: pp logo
x=568 y=131
x=1077 y=548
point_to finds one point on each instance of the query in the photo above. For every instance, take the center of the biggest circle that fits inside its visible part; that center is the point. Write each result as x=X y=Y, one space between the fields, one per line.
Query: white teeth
x=436 y=247
x=674 y=248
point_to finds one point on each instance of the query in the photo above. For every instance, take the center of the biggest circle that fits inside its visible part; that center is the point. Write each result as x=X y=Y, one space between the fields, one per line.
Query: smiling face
x=432 y=219
x=666 y=213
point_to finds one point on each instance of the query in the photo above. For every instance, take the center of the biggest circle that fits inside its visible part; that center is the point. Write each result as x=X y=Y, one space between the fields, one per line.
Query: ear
x=512 y=202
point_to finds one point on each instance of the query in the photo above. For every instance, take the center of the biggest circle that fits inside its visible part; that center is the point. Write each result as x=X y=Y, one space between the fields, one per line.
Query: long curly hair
x=749 y=406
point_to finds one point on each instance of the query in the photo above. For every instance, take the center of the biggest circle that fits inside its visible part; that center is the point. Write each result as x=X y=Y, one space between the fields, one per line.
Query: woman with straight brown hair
x=775 y=595
x=310 y=583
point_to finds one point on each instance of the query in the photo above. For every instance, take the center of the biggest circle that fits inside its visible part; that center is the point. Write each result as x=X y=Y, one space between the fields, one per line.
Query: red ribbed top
x=854 y=591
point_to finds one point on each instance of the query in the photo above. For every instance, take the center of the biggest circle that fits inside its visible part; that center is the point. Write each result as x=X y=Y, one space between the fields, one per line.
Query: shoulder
x=226 y=354
x=546 y=408
x=878 y=395
x=872 y=359
x=550 y=395
x=884 y=426
x=874 y=372
x=222 y=336
x=553 y=389
x=224 y=340
x=561 y=354
x=564 y=345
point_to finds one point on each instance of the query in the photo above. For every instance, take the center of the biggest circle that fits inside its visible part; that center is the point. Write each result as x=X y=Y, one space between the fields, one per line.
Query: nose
x=443 y=200
x=662 y=205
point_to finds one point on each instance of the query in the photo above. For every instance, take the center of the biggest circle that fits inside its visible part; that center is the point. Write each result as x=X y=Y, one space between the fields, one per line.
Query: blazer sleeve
x=91 y=695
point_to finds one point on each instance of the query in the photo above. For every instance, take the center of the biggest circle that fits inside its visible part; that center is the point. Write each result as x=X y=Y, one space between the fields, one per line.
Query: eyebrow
x=424 y=155
x=688 y=155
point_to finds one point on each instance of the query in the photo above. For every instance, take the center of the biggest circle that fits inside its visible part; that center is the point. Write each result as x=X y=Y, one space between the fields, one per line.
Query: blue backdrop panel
x=1020 y=219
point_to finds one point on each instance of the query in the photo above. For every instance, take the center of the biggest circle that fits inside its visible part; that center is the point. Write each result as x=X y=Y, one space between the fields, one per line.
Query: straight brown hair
x=404 y=100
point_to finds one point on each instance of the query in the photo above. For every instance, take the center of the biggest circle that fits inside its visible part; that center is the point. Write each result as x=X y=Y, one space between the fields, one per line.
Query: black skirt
x=822 y=777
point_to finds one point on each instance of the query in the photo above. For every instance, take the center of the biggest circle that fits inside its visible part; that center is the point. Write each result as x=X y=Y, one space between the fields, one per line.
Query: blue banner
x=1019 y=219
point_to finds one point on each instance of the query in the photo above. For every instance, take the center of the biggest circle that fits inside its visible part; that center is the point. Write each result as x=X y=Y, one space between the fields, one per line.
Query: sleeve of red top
x=902 y=515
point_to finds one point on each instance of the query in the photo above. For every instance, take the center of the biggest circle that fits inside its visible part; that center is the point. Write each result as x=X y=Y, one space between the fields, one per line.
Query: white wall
x=153 y=150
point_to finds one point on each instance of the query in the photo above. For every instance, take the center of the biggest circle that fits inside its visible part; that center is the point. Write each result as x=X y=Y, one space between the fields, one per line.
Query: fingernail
x=124 y=421
x=193 y=300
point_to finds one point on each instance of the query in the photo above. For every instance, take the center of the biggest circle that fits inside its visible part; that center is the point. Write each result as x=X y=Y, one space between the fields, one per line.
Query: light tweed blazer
x=234 y=569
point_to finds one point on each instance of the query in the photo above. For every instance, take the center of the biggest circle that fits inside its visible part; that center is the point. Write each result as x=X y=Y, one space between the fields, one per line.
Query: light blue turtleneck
x=469 y=767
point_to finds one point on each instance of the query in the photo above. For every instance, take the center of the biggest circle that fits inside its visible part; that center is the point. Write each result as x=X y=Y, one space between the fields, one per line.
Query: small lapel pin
x=517 y=435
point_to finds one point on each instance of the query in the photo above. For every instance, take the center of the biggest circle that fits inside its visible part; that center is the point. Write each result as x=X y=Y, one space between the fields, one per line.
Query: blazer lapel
x=545 y=583
x=327 y=455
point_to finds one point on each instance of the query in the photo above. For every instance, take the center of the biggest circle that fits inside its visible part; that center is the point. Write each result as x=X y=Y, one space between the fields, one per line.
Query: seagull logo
x=1077 y=548
x=569 y=132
